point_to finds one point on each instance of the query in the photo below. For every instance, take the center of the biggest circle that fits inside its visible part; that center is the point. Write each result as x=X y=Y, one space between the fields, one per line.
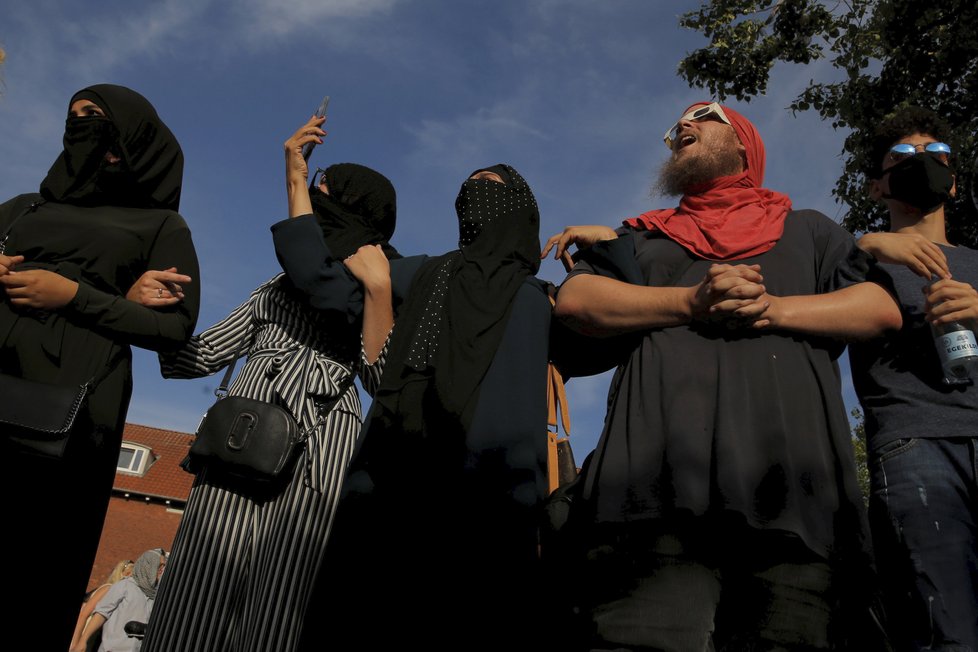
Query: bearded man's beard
x=678 y=176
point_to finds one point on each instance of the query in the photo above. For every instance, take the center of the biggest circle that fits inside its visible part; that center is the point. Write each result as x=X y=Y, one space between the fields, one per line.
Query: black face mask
x=86 y=141
x=923 y=181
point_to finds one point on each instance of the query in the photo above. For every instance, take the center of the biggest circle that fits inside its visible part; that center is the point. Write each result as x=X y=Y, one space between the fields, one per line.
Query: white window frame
x=142 y=458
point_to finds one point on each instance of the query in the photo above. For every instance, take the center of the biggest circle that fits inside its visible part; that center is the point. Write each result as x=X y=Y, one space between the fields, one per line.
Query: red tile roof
x=164 y=479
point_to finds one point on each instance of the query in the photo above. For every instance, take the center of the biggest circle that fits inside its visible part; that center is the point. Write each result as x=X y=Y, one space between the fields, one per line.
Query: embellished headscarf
x=730 y=217
x=150 y=172
x=146 y=571
x=360 y=209
x=454 y=317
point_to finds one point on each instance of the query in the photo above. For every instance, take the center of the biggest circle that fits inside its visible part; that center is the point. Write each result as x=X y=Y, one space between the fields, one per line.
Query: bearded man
x=722 y=505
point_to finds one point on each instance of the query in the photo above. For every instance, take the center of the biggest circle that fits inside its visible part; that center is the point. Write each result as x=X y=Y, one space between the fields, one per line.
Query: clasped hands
x=733 y=295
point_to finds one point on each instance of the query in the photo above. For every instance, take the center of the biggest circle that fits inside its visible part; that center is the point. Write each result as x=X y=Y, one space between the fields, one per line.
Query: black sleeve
x=157 y=329
x=310 y=266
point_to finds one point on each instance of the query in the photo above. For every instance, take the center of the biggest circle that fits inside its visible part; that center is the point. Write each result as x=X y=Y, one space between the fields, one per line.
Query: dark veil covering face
x=150 y=172
x=454 y=318
x=360 y=209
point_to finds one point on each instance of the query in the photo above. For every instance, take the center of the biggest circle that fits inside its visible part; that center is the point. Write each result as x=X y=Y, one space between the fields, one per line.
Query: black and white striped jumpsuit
x=241 y=570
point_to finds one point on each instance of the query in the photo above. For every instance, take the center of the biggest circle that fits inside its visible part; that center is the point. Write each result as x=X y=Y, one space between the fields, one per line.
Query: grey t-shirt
x=125 y=601
x=898 y=378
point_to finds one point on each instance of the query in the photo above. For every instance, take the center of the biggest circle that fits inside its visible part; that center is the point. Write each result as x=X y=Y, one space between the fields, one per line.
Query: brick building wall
x=145 y=508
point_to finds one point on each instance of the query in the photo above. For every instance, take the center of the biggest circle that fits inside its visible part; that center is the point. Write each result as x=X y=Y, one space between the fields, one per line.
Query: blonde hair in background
x=121 y=570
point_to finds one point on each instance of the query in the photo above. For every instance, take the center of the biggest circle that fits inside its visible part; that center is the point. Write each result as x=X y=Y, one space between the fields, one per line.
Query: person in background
x=722 y=508
x=128 y=600
x=121 y=570
x=106 y=212
x=922 y=434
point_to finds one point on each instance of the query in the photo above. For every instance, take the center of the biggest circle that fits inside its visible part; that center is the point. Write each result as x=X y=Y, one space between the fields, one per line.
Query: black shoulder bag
x=249 y=440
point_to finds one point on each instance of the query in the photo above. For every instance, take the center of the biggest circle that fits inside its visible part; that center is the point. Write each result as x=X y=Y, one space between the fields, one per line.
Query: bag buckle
x=243 y=425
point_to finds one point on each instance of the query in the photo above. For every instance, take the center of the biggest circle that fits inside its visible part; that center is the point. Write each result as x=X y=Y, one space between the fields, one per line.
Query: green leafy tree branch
x=887 y=54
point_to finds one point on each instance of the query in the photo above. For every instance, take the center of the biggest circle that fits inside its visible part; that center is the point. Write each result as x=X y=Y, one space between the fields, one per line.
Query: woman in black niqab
x=445 y=485
x=104 y=215
x=359 y=209
x=450 y=326
x=149 y=171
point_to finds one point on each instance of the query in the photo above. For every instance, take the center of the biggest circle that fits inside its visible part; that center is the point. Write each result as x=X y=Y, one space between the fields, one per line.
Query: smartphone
x=320 y=112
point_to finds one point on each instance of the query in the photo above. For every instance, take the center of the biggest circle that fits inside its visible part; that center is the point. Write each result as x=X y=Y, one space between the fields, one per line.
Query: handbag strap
x=322 y=409
x=222 y=389
x=557 y=400
x=556 y=395
x=6 y=234
x=557 y=415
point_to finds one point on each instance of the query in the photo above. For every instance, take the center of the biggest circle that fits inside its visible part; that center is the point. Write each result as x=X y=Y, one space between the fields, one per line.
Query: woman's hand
x=296 y=169
x=8 y=263
x=157 y=288
x=919 y=254
x=39 y=289
x=370 y=266
x=582 y=236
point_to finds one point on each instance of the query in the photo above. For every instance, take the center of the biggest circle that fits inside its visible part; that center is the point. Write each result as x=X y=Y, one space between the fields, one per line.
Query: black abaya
x=58 y=505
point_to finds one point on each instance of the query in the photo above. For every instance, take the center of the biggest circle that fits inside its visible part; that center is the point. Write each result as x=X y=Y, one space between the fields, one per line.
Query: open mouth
x=685 y=140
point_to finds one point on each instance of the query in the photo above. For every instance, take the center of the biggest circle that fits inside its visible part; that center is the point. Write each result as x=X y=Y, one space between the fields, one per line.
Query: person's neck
x=930 y=226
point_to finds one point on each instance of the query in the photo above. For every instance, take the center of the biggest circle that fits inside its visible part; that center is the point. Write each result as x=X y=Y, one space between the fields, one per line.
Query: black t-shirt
x=704 y=420
x=898 y=378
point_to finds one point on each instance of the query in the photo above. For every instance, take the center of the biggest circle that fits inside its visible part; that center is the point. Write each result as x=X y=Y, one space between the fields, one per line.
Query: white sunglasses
x=700 y=112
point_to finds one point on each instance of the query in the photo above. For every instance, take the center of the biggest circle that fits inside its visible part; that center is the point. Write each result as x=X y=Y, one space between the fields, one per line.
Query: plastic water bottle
x=958 y=350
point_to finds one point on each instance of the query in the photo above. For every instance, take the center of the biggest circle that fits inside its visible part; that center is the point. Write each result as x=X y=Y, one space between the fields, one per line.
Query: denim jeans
x=924 y=512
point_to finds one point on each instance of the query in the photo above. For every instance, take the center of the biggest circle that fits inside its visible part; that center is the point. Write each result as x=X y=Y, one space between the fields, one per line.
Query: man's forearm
x=600 y=306
x=858 y=312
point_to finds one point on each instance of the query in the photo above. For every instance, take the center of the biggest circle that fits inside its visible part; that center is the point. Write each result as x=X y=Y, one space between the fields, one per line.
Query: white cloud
x=274 y=18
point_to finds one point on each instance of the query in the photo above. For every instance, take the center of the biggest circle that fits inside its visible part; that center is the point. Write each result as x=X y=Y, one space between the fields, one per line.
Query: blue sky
x=573 y=93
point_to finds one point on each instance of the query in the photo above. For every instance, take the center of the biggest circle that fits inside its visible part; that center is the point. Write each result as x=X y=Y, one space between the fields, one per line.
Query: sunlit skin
x=700 y=137
x=601 y=306
x=703 y=135
x=486 y=174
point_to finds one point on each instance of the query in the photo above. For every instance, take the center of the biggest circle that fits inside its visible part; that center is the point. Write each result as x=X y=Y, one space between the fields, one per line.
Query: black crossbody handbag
x=252 y=441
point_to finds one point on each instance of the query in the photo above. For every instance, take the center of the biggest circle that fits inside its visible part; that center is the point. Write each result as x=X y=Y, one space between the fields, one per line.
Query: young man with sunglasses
x=724 y=509
x=922 y=433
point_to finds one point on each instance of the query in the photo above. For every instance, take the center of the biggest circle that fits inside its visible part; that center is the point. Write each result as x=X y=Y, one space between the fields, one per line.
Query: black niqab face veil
x=150 y=172
x=360 y=209
x=454 y=318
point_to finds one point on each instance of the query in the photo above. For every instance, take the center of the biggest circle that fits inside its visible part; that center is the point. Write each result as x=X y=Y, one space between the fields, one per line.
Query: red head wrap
x=727 y=218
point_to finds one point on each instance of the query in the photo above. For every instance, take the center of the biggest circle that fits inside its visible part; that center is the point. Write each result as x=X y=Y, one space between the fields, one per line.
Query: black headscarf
x=360 y=209
x=452 y=322
x=150 y=173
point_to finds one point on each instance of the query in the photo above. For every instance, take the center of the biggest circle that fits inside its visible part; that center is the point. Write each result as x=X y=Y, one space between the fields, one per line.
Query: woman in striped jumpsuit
x=242 y=566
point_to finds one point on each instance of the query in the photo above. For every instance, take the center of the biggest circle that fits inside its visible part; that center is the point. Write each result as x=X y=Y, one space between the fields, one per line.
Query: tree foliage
x=886 y=54
x=859 y=451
